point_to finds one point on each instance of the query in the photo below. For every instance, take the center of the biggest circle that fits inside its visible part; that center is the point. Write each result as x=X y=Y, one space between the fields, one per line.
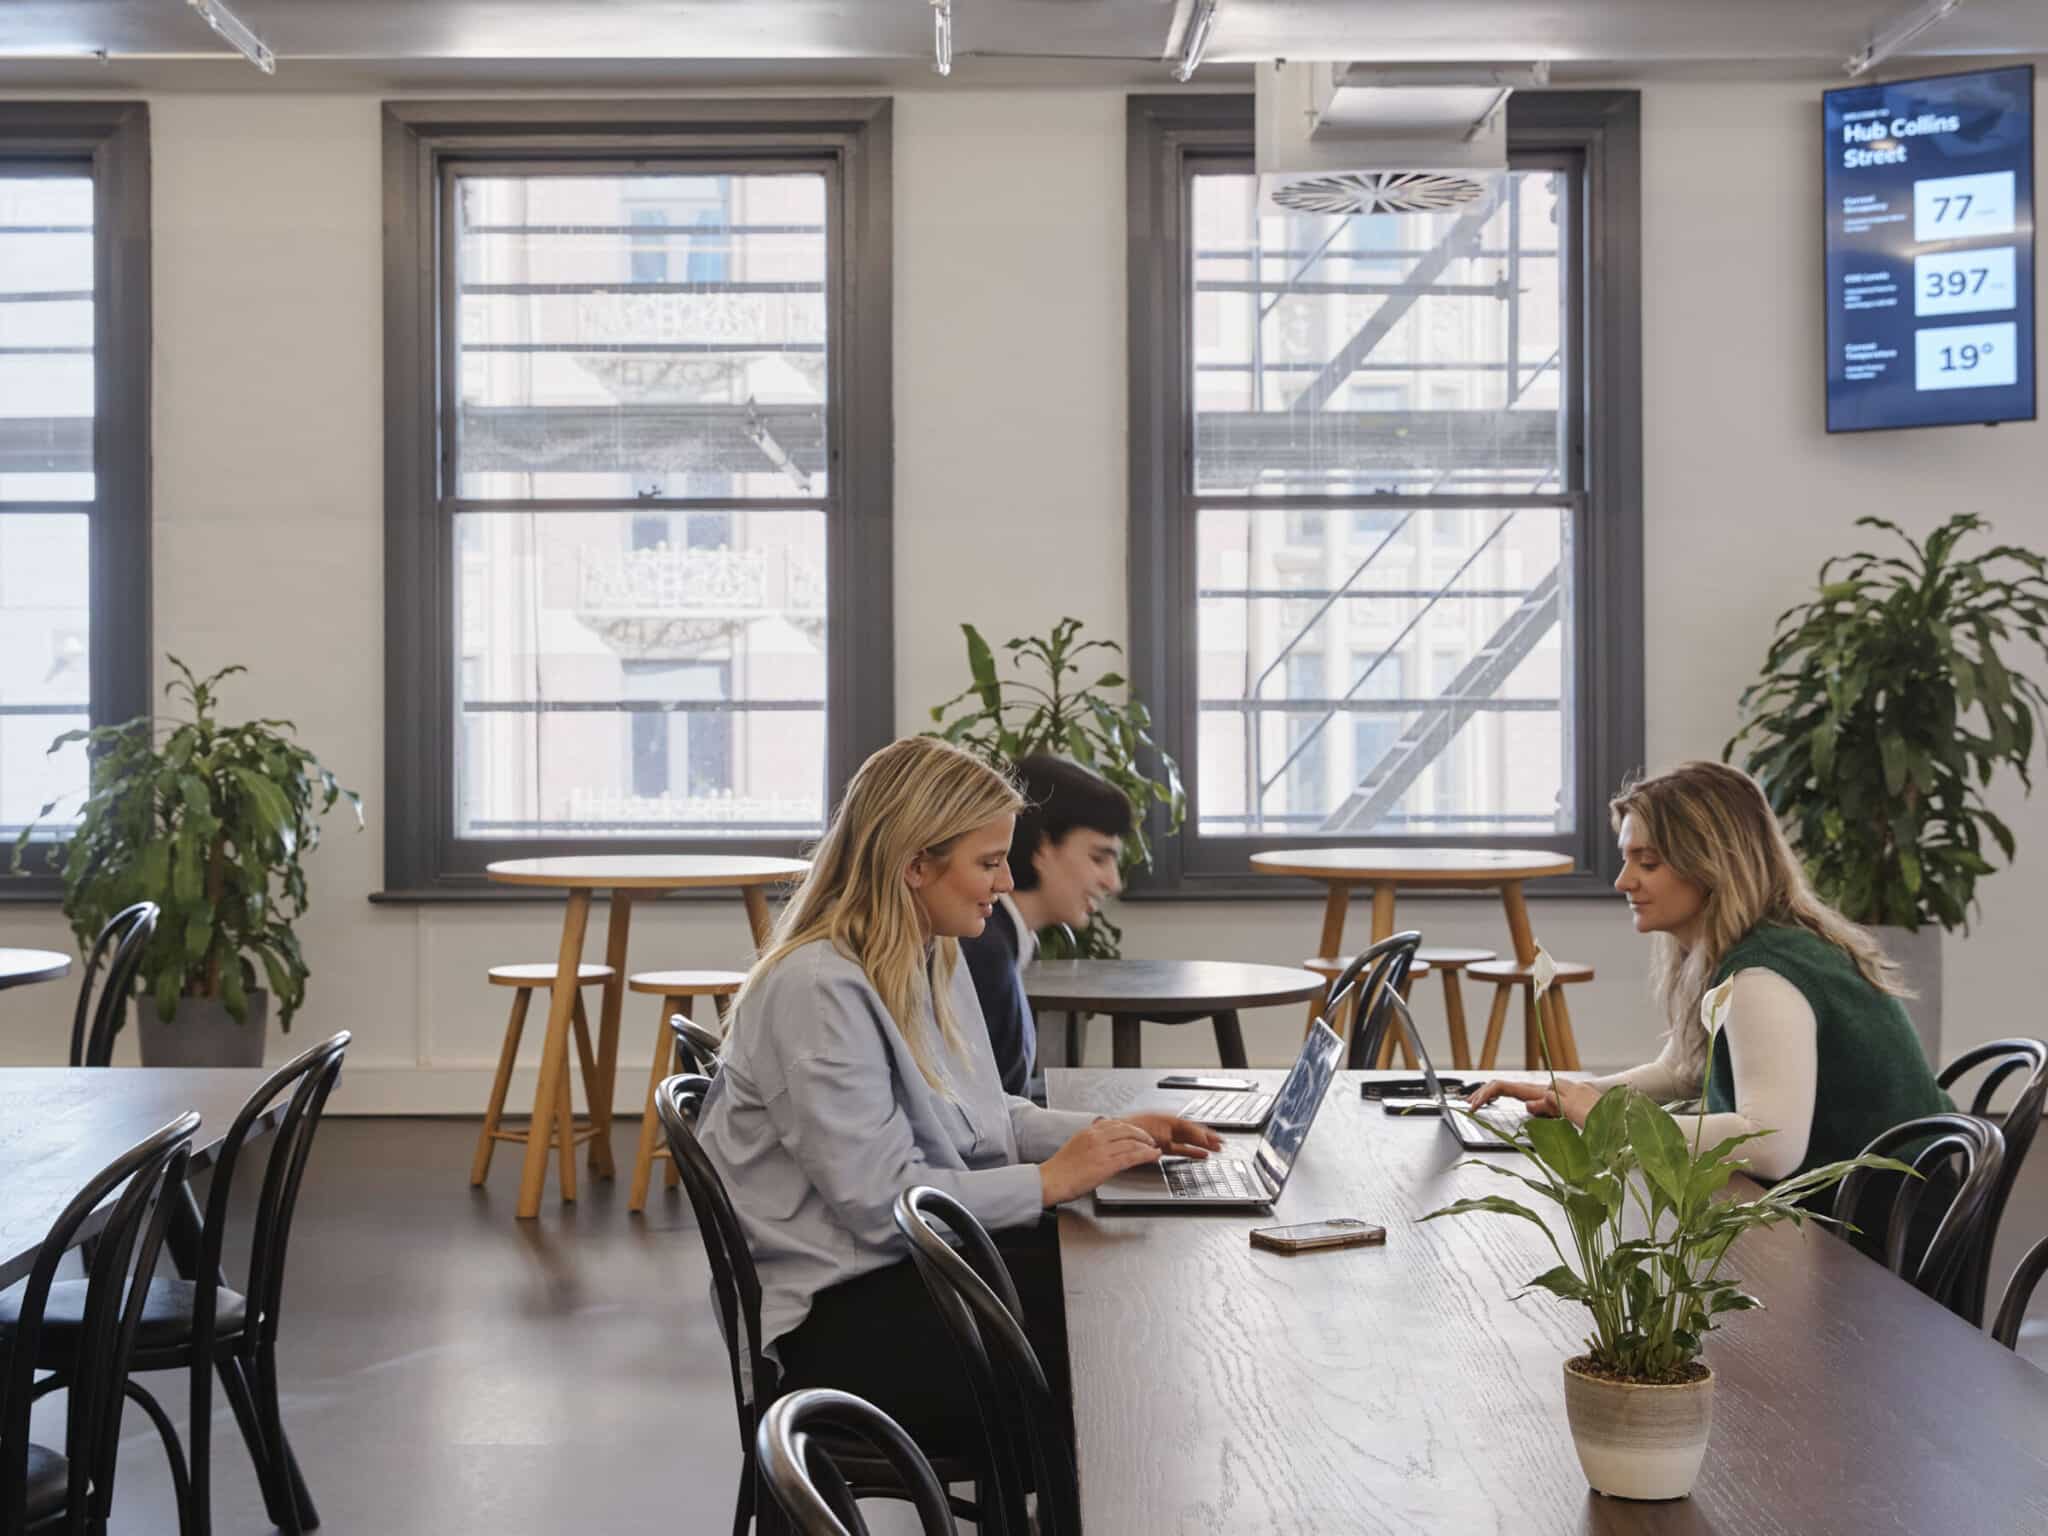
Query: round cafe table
x=1385 y=870
x=20 y=967
x=629 y=877
x=1165 y=992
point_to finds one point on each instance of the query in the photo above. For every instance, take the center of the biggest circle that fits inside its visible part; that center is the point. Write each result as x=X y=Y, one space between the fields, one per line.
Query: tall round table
x=1385 y=870
x=21 y=967
x=1165 y=992
x=629 y=877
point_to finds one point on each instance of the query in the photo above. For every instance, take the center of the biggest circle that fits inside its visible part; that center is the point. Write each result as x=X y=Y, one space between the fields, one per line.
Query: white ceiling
x=165 y=44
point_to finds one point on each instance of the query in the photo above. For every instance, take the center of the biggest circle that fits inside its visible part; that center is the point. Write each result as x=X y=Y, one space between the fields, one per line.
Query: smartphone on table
x=1210 y=1084
x=1339 y=1232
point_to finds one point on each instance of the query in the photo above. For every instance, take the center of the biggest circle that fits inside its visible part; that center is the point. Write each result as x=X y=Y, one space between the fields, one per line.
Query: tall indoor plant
x=209 y=822
x=1888 y=702
x=1052 y=710
x=1647 y=1236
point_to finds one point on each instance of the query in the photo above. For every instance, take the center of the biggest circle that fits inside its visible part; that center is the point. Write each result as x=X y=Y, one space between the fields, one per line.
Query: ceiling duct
x=1383 y=138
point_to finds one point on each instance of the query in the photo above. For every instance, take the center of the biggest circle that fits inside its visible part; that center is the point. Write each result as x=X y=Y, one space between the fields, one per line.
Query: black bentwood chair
x=1021 y=1422
x=802 y=1467
x=1964 y=1154
x=737 y=1289
x=200 y=1326
x=2019 y=1294
x=98 y=1019
x=1373 y=973
x=696 y=1048
x=2000 y=1060
x=41 y=1490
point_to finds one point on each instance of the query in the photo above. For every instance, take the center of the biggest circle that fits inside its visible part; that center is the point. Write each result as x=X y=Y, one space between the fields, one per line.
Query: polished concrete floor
x=450 y=1369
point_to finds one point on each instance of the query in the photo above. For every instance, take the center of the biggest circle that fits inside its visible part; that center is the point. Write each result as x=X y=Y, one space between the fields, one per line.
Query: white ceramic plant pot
x=1635 y=1440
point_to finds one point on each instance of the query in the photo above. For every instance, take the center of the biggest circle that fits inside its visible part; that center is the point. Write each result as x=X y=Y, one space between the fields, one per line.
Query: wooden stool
x=1506 y=975
x=567 y=1133
x=1447 y=963
x=675 y=989
x=1330 y=970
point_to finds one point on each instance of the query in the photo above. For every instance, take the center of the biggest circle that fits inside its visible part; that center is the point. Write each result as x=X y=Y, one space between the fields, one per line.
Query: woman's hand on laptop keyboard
x=1573 y=1100
x=1094 y=1156
x=1177 y=1137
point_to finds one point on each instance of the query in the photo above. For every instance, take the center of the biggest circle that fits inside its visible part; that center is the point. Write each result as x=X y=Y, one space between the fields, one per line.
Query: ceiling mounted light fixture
x=942 y=37
x=1889 y=40
x=1195 y=41
x=235 y=32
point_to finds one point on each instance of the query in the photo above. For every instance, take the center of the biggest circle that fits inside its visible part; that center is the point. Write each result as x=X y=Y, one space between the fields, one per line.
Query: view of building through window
x=641 y=504
x=46 y=492
x=1384 y=554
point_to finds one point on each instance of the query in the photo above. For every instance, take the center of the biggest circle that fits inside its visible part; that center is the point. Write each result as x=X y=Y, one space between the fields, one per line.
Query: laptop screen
x=1299 y=1099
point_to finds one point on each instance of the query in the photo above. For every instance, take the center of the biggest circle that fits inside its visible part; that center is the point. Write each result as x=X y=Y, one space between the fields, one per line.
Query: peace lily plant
x=1648 y=1231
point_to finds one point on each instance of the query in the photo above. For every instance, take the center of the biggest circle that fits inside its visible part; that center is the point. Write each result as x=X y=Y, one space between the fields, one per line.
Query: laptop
x=1233 y=1110
x=1224 y=1182
x=1506 y=1115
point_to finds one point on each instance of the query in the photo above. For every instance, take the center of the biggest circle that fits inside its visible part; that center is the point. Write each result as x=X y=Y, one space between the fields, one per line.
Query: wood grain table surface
x=1164 y=986
x=20 y=967
x=61 y=1125
x=1222 y=1388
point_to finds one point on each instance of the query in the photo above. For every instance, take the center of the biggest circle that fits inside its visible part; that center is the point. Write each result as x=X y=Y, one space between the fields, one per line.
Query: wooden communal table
x=1166 y=992
x=1386 y=870
x=20 y=967
x=1222 y=1388
x=629 y=877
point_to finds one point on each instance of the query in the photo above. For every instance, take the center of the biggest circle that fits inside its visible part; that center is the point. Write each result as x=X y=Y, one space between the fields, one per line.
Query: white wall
x=1010 y=379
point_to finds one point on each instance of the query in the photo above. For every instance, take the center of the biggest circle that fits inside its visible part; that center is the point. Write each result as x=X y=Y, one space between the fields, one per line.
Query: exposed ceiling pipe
x=1194 y=42
x=237 y=34
x=1887 y=41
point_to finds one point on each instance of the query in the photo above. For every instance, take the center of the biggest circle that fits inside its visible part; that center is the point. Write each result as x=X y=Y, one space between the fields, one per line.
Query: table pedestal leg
x=1330 y=946
x=1229 y=1039
x=1519 y=931
x=1454 y=1014
x=608 y=1035
x=1124 y=1040
x=1077 y=1038
x=554 y=1057
x=759 y=919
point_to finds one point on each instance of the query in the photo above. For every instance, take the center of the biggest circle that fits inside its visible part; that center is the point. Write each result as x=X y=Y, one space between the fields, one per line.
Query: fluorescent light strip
x=942 y=37
x=1195 y=41
x=1891 y=39
x=235 y=32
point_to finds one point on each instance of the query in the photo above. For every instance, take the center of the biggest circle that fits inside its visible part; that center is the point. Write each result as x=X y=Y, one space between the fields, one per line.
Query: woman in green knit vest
x=1815 y=1048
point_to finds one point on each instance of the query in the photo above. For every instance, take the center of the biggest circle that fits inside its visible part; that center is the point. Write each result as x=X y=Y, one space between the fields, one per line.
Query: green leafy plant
x=1654 y=1289
x=1053 y=711
x=210 y=824
x=1884 y=710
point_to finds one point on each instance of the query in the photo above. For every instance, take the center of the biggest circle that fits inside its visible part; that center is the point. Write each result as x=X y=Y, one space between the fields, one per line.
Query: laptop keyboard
x=1504 y=1115
x=1212 y=1178
x=1237 y=1108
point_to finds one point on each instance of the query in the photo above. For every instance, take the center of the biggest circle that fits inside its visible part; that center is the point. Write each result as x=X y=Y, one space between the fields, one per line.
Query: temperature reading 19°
x=1964 y=282
x=1963 y=207
x=1966 y=356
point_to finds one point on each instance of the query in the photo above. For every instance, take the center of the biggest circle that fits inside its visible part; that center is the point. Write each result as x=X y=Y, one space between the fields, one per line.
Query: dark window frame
x=423 y=860
x=110 y=141
x=1599 y=132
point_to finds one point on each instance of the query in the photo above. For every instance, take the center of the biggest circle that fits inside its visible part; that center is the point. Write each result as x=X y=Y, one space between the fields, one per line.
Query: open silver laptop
x=1242 y=1183
x=1506 y=1115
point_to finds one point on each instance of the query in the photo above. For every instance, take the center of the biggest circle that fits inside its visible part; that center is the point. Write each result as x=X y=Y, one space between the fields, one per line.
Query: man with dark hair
x=1063 y=858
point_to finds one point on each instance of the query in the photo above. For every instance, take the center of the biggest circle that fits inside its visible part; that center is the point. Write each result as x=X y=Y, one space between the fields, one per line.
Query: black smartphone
x=1341 y=1232
x=1415 y=1088
x=1213 y=1084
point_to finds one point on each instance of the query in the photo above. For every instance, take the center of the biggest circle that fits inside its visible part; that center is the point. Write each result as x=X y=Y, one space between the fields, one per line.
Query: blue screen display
x=1930 y=251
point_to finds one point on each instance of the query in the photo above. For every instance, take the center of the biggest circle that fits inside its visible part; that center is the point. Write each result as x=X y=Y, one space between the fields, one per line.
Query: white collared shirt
x=1027 y=936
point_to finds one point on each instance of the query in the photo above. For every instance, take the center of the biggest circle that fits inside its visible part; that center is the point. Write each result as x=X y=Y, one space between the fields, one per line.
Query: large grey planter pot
x=1918 y=953
x=203 y=1034
x=1637 y=1441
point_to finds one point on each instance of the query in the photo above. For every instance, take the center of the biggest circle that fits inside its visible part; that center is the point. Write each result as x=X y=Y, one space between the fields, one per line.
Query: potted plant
x=1649 y=1233
x=1884 y=710
x=1050 y=711
x=209 y=823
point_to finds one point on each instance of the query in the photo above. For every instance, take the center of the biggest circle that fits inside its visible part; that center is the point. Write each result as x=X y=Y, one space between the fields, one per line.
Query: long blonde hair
x=1712 y=825
x=914 y=796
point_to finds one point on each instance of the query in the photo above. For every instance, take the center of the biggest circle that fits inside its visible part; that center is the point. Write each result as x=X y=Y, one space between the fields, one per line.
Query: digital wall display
x=1930 y=251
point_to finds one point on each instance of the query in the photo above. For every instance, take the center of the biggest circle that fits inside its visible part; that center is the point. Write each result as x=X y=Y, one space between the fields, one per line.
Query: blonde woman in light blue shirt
x=859 y=1066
